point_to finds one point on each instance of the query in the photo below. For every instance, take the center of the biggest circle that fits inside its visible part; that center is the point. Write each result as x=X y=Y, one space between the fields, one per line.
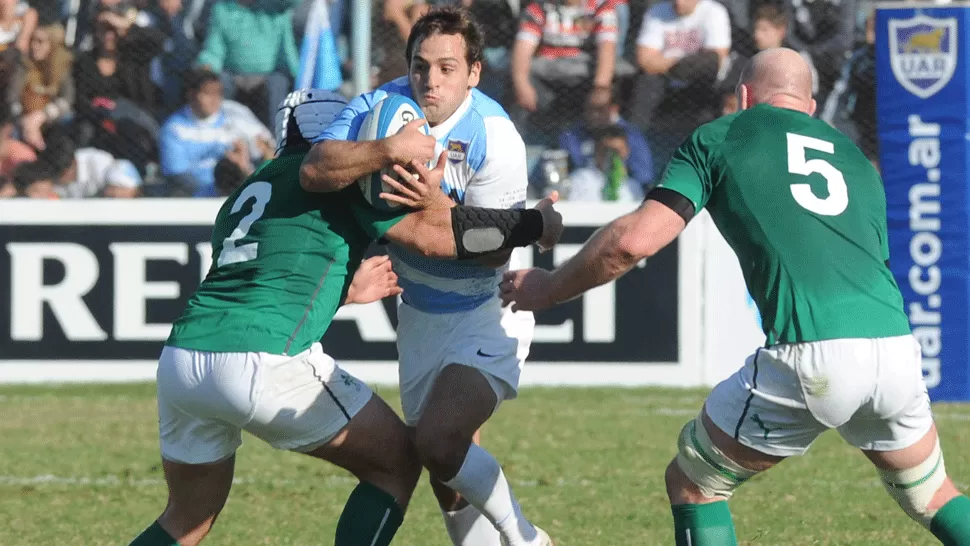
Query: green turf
x=80 y=465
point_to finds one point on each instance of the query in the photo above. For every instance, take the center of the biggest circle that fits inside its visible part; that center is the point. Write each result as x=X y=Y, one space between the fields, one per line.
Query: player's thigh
x=495 y=342
x=897 y=414
x=422 y=341
x=304 y=401
x=761 y=406
x=375 y=440
x=204 y=399
x=197 y=492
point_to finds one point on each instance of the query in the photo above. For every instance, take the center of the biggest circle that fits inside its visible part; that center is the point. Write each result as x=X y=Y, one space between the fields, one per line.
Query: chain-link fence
x=175 y=97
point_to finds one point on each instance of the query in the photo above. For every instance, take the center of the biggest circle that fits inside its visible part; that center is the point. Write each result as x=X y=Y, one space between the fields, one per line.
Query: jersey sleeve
x=348 y=121
x=688 y=172
x=374 y=222
x=502 y=179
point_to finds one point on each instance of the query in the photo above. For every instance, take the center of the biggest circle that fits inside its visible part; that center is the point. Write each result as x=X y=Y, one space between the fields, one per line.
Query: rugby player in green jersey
x=805 y=212
x=245 y=354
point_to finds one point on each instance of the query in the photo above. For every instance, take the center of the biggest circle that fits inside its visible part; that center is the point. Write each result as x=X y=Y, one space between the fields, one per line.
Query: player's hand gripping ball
x=387 y=118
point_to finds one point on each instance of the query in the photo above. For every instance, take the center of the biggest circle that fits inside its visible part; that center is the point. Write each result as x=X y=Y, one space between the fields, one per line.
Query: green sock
x=703 y=525
x=951 y=524
x=370 y=517
x=154 y=536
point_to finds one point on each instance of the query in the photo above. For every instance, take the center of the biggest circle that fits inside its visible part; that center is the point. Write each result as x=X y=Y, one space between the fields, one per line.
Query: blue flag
x=319 y=61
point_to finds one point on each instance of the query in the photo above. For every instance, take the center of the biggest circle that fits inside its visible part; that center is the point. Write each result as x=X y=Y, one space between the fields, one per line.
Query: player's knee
x=441 y=449
x=703 y=466
x=914 y=488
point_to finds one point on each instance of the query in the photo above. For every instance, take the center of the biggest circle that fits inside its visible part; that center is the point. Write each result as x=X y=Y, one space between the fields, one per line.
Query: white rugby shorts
x=785 y=396
x=490 y=338
x=295 y=403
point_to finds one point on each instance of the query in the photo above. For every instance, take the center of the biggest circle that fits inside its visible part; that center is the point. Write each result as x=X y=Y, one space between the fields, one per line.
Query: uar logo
x=923 y=53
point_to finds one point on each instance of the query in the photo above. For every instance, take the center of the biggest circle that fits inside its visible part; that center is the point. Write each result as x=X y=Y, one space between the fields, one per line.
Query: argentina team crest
x=457 y=150
x=923 y=53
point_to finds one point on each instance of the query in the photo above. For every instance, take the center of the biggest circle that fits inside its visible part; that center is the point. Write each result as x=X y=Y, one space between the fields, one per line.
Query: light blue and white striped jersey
x=486 y=168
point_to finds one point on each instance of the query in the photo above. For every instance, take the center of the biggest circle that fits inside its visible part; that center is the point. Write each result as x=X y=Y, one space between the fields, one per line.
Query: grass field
x=79 y=465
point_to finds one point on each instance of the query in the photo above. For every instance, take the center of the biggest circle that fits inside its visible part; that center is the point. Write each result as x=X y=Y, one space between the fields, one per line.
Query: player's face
x=440 y=76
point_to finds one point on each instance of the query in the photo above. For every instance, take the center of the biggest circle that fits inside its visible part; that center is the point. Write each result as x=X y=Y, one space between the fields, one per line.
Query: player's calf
x=197 y=493
x=915 y=477
x=374 y=446
x=461 y=400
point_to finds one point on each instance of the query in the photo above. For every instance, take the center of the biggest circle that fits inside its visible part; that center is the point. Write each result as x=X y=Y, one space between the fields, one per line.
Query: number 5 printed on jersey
x=838 y=198
x=231 y=254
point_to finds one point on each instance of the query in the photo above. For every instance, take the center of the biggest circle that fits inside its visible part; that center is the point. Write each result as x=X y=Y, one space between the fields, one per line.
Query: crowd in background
x=127 y=98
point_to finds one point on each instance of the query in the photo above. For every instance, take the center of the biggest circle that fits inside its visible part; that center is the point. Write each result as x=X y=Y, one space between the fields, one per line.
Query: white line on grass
x=121 y=481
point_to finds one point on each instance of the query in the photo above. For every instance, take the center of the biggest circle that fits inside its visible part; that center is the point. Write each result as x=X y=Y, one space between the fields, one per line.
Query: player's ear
x=474 y=74
x=811 y=107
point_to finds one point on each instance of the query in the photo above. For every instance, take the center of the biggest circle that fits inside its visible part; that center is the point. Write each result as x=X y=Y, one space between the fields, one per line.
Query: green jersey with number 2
x=805 y=212
x=282 y=261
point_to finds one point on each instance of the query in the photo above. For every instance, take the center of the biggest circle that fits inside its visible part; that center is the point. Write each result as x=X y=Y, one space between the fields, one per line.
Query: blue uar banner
x=923 y=105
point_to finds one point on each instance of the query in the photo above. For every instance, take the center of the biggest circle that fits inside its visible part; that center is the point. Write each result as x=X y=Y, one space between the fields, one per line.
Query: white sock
x=469 y=527
x=482 y=482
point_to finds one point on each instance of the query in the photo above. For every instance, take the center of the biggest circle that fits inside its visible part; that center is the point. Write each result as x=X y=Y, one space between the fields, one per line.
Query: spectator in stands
x=391 y=30
x=42 y=92
x=770 y=31
x=12 y=151
x=232 y=170
x=580 y=141
x=564 y=53
x=851 y=107
x=252 y=46
x=118 y=65
x=34 y=180
x=87 y=172
x=180 y=50
x=606 y=177
x=824 y=29
x=682 y=47
x=17 y=23
x=197 y=136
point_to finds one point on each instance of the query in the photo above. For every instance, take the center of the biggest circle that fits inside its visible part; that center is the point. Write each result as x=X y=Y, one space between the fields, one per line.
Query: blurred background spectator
x=197 y=136
x=178 y=95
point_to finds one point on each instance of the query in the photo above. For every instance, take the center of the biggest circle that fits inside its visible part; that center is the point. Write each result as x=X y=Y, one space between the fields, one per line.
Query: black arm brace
x=479 y=231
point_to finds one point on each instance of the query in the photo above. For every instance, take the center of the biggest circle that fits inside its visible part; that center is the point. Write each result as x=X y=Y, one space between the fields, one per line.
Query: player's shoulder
x=712 y=134
x=500 y=137
x=397 y=86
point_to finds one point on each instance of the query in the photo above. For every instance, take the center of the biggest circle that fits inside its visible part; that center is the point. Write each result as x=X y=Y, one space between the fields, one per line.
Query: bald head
x=779 y=77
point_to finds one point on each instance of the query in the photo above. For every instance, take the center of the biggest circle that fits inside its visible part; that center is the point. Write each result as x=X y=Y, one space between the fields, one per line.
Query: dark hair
x=228 y=176
x=27 y=173
x=58 y=156
x=196 y=78
x=771 y=13
x=448 y=20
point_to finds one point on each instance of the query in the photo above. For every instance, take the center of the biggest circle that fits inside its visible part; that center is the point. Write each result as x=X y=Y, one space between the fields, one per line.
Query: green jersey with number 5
x=282 y=261
x=805 y=212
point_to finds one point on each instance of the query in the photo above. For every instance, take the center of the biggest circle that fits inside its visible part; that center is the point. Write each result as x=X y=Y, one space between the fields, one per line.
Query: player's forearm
x=607 y=256
x=466 y=232
x=332 y=165
x=653 y=61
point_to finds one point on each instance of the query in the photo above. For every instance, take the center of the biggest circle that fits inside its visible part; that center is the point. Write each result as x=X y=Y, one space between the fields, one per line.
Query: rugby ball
x=385 y=119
